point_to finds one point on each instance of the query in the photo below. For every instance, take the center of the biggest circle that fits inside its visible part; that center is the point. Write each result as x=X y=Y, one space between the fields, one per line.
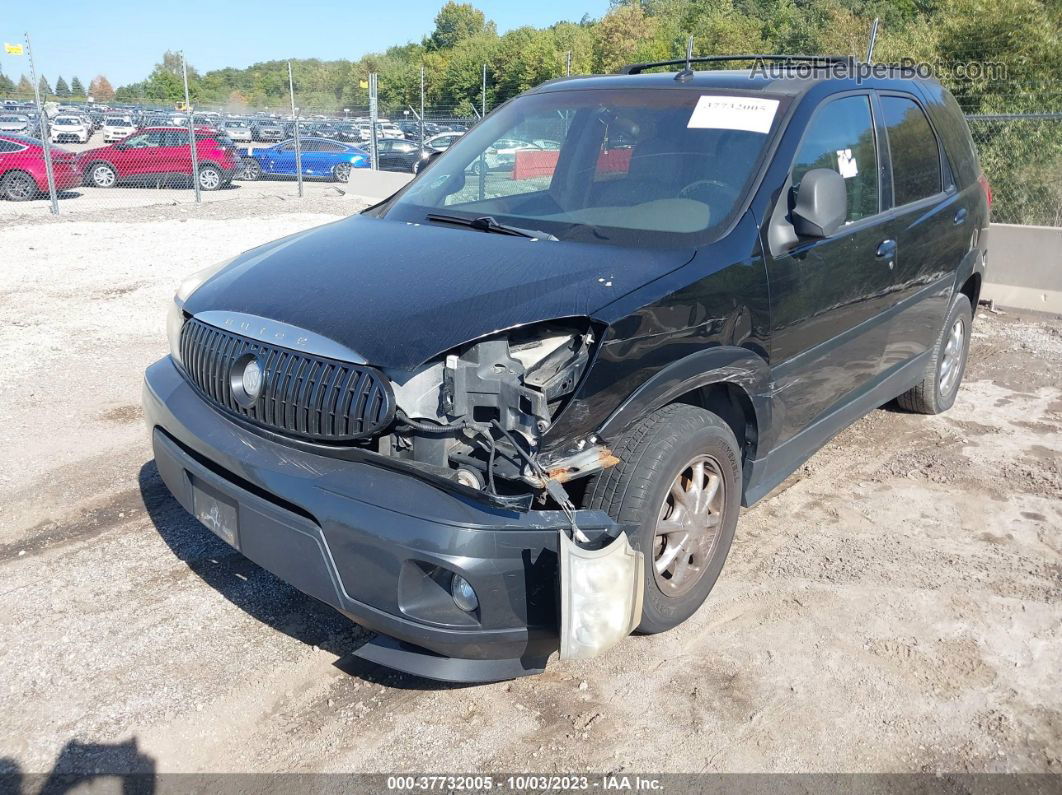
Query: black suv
x=515 y=408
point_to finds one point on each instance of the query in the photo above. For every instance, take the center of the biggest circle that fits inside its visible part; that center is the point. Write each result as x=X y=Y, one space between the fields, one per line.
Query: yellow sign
x=13 y=49
x=180 y=106
x=363 y=84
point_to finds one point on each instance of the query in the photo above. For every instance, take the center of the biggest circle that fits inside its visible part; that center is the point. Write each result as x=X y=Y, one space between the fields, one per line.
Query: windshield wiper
x=486 y=223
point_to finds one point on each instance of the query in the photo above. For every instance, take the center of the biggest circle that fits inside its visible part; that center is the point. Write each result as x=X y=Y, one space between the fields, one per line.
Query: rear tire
x=18 y=186
x=250 y=169
x=652 y=490
x=945 y=368
x=210 y=178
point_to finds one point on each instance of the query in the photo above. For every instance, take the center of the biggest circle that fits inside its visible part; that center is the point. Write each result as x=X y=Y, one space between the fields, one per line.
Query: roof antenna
x=873 y=40
x=687 y=73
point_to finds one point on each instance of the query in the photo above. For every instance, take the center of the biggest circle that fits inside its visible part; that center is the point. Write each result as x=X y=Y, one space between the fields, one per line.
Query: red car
x=157 y=154
x=22 y=174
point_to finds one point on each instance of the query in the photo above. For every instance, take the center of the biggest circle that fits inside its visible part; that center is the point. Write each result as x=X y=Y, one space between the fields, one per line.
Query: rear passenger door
x=927 y=222
x=828 y=294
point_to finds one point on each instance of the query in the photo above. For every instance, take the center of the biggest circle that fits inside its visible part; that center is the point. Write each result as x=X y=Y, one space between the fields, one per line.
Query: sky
x=124 y=39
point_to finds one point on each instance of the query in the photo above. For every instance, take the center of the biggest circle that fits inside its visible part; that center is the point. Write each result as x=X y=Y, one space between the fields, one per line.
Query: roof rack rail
x=825 y=60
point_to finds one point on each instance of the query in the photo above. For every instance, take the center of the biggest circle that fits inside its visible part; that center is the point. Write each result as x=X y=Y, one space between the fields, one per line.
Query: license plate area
x=216 y=511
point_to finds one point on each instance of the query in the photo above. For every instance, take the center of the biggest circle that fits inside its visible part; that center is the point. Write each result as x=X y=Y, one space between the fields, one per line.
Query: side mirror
x=821 y=203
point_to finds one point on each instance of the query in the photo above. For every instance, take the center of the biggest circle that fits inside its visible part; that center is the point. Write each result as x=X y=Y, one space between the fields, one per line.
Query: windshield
x=653 y=167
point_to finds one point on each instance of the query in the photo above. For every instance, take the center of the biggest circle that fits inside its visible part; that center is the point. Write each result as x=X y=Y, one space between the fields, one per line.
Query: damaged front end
x=477 y=415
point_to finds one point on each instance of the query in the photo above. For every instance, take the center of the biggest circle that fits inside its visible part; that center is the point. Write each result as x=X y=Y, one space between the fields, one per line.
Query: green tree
x=458 y=22
x=6 y=84
x=25 y=87
x=45 y=89
x=76 y=88
x=625 y=34
x=61 y=88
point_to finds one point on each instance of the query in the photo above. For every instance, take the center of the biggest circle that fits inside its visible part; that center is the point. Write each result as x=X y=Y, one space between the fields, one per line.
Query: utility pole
x=873 y=40
x=191 y=130
x=46 y=143
x=422 y=104
x=295 y=116
x=568 y=64
x=374 y=150
x=484 y=101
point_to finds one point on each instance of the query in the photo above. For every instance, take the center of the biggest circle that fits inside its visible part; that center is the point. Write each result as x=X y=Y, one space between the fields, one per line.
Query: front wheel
x=678 y=484
x=341 y=172
x=103 y=175
x=210 y=178
x=944 y=371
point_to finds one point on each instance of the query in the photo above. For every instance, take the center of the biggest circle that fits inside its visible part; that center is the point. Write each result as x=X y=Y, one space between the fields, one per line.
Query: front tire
x=678 y=484
x=341 y=172
x=944 y=371
x=102 y=175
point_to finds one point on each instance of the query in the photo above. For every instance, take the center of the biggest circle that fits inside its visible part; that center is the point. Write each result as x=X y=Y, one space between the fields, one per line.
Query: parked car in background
x=69 y=128
x=320 y=157
x=442 y=141
x=160 y=154
x=348 y=133
x=236 y=130
x=267 y=131
x=14 y=123
x=22 y=172
x=396 y=154
x=115 y=128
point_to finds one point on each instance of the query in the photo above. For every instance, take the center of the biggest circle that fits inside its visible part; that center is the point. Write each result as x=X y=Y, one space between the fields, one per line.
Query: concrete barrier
x=1024 y=267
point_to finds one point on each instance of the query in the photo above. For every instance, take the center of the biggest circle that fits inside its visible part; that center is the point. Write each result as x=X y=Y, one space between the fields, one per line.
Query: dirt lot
x=896 y=607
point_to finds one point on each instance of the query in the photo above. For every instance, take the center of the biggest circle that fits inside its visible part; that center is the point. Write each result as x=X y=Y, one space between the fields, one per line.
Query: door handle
x=887 y=251
x=960 y=216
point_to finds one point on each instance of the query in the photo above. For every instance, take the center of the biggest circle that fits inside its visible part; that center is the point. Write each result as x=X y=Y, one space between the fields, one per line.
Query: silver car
x=14 y=123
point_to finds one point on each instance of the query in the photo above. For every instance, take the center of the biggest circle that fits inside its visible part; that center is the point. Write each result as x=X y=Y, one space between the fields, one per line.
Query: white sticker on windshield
x=753 y=114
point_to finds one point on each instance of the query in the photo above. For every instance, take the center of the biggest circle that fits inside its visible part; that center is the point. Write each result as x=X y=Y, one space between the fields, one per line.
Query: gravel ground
x=896 y=606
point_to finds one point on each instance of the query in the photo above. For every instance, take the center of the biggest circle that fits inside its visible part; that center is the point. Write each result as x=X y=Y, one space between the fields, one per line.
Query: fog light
x=601 y=596
x=464 y=594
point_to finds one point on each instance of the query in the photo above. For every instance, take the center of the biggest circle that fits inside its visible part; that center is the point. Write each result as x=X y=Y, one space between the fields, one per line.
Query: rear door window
x=914 y=149
x=841 y=138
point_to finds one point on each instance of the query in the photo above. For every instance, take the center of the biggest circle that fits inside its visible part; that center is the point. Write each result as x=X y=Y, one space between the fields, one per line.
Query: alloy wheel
x=688 y=526
x=20 y=187
x=103 y=176
x=951 y=360
x=209 y=179
x=341 y=172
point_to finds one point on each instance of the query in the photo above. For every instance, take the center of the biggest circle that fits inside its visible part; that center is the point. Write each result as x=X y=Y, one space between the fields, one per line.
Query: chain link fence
x=142 y=152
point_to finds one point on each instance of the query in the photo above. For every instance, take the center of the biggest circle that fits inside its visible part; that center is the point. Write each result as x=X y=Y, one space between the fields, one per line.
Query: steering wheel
x=730 y=194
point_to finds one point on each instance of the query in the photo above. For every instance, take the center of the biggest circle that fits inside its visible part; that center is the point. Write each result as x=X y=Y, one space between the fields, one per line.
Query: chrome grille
x=302 y=394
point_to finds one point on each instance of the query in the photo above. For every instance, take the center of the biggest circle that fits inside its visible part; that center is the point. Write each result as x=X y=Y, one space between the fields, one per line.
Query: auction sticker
x=753 y=114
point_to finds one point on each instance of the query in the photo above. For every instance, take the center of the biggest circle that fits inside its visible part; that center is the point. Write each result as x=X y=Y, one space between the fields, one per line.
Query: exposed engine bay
x=477 y=415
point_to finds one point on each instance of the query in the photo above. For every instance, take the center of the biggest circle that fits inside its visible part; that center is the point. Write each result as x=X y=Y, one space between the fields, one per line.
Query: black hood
x=399 y=293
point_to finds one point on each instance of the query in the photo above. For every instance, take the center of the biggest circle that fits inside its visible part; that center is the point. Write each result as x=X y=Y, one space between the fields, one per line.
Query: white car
x=14 y=123
x=443 y=141
x=237 y=131
x=69 y=128
x=115 y=128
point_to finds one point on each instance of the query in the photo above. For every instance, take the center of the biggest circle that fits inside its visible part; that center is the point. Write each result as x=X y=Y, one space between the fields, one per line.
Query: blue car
x=320 y=158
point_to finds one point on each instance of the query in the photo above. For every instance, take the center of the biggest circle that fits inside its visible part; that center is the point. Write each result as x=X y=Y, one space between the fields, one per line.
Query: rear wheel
x=18 y=186
x=678 y=484
x=250 y=169
x=341 y=172
x=102 y=175
x=210 y=178
x=944 y=370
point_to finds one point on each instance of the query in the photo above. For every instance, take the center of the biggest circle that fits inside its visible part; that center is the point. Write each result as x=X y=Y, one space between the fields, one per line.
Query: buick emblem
x=246 y=379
